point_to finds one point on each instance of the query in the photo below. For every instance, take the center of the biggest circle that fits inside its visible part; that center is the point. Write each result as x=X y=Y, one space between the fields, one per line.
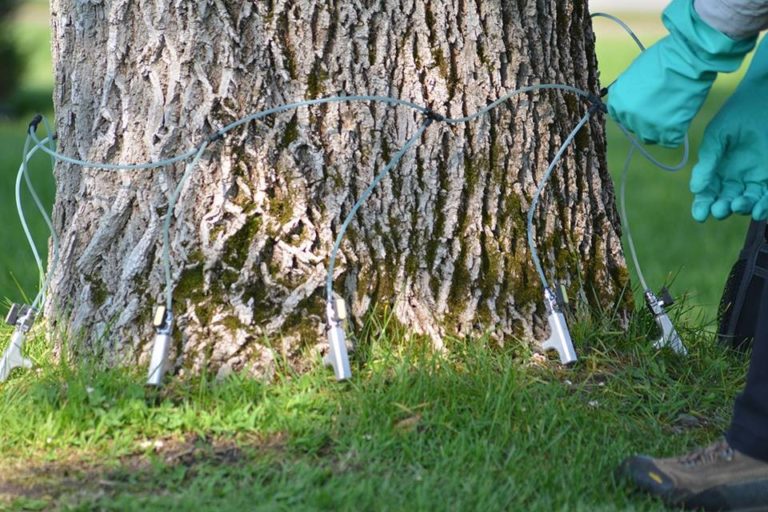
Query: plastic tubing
x=625 y=219
x=540 y=189
x=23 y=172
x=197 y=152
x=190 y=169
x=637 y=146
x=363 y=198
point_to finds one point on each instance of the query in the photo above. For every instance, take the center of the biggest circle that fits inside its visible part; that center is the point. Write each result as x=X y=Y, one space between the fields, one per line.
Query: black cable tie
x=603 y=92
x=34 y=123
x=434 y=116
x=217 y=135
x=596 y=104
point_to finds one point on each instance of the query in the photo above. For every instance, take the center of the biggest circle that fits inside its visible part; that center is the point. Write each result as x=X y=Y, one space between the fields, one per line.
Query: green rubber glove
x=662 y=91
x=732 y=173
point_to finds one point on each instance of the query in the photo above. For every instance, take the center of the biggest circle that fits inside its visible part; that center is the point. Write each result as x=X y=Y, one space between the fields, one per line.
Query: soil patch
x=45 y=485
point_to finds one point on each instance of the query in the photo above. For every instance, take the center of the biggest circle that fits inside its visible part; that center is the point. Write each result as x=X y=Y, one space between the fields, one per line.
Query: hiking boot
x=716 y=477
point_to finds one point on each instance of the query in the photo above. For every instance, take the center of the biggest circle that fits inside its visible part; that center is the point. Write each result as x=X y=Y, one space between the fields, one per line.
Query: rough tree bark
x=442 y=240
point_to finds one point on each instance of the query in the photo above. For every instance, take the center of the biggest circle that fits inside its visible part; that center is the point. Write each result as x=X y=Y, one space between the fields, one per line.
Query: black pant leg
x=749 y=426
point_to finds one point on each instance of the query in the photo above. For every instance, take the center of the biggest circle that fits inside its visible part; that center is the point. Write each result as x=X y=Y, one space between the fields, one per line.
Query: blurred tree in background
x=10 y=58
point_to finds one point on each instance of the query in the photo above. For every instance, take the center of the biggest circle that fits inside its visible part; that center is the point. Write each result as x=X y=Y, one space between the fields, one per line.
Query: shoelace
x=720 y=450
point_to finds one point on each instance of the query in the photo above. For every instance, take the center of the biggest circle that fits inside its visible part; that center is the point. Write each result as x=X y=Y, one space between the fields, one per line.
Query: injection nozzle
x=22 y=317
x=163 y=323
x=337 y=356
x=657 y=307
x=560 y=337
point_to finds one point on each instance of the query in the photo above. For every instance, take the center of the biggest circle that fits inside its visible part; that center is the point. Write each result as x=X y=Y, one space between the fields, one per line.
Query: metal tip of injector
x=560 y=337
x=337 y=357
x=669 y=336
x=12 y=357
x=157 y=364
x=22 y=317
x=163 y=323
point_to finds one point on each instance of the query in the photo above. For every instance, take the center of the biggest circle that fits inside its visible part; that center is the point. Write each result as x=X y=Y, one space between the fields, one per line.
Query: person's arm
x=660 y=93
x=732 y=173
x=739 y=19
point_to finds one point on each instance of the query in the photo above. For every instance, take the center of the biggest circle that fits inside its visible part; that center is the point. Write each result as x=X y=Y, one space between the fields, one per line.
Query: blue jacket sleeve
x=738 y=19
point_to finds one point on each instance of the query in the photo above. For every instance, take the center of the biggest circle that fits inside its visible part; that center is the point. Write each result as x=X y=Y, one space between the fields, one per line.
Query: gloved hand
x=732 y=173
x=664 y=88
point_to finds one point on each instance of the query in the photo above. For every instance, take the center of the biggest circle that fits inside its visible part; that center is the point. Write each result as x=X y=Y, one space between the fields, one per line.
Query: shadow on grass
x=480 y=427
x=156 y=467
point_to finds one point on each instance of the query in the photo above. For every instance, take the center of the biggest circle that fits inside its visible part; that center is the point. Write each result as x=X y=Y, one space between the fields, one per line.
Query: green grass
x=18 y=278
x=479 y=429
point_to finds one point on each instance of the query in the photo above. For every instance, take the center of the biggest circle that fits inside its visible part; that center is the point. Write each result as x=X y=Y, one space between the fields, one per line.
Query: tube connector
x=596 y=104
x=560 y=337
x=434 y=116
x=33 y=124
x=163 y=323
x=657 y=307
x=22 y=317
x=338 y=358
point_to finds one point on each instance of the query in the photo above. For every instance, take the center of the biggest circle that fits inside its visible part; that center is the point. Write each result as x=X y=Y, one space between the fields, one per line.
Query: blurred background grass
x=29 y=28
x=672 y=248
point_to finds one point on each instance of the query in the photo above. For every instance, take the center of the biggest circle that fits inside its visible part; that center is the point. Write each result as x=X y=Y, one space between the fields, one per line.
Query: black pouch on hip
x=740 y=305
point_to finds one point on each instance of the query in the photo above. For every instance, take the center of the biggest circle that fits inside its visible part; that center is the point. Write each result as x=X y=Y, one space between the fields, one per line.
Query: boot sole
x=646 y=476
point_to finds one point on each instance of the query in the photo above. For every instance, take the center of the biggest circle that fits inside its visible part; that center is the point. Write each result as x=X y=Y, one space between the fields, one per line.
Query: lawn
x=478 y=429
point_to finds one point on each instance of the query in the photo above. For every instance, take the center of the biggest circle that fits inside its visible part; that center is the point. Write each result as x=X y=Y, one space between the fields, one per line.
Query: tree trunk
x=443 y=238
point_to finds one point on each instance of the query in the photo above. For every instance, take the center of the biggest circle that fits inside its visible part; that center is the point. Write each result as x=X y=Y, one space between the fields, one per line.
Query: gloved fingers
x=649 y=133
x=721 y=209
x=744 y=204
x=671 y=137
x=760 y=211
x=706 y=191
x=702 y=204
x=705 y=172
x=646 y=137
x=645 y=133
